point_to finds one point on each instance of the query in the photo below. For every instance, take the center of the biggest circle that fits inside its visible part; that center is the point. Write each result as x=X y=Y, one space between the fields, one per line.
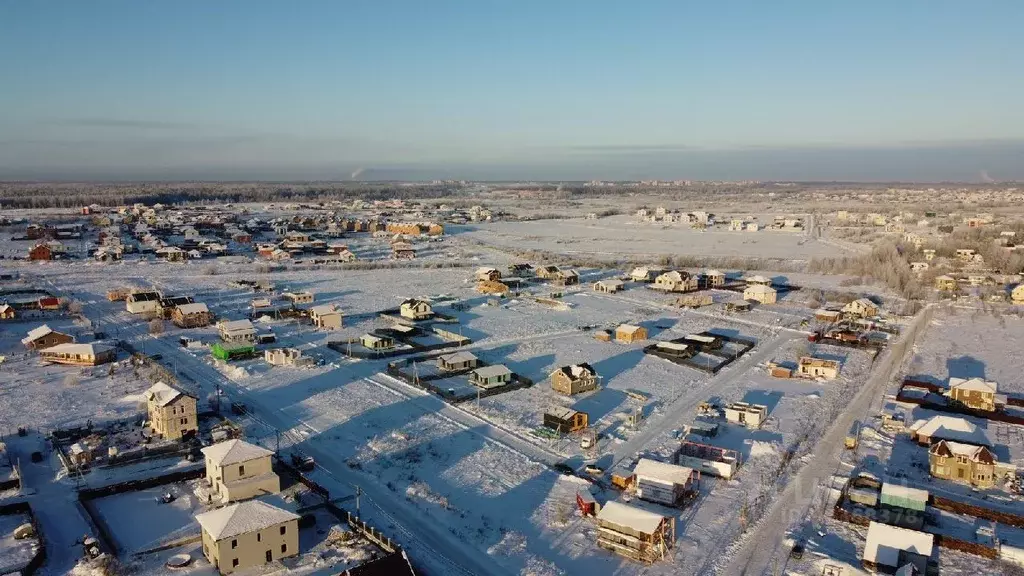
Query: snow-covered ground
x=14 y=554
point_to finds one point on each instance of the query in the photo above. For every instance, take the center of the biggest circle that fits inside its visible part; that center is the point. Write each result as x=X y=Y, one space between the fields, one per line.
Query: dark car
x=563 y=468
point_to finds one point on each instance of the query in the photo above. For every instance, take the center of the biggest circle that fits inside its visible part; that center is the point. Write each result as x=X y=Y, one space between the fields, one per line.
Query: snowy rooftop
x=950 y=428
x=82 y=349
x=885 y=542
x=630 y=517
x=194 y=308
x=236 y=325
x=242 y=518
x=627 y=328
x=973 y=384
x=323 y=310
x=915 y=494
x=492 y=371
x=36 y=333
x=663 y=472
x=163 y=394
x=458 y=357
x=234 y=452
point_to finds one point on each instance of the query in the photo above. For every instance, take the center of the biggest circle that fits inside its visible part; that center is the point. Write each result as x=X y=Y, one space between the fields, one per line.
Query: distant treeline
x=71 y=195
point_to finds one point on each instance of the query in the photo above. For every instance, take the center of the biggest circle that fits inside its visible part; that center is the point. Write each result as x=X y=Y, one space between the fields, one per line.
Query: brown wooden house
x=575 y=379
x=45 y=337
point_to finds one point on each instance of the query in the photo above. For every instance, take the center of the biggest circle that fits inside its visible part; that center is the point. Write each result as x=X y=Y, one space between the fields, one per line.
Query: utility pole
x=359 y=492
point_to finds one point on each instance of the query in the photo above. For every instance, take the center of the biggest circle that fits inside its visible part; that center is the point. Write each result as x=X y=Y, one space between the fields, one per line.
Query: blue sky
x=869 y=90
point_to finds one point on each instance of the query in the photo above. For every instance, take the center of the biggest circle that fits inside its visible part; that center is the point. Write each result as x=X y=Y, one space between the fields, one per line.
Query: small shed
x=904 y=497
x=603 y=335
x=457 y=361
x=491 y=376
x=587 y=503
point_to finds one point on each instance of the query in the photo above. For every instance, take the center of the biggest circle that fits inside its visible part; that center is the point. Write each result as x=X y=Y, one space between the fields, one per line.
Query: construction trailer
x=565 y=420
x=707 y=459
x=664 y=483
x=229 y=352
x=635 y=533
x=749 y=415
x=586 y=502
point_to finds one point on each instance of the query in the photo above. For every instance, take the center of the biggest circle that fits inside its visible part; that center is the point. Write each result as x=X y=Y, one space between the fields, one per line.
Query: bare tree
x=156 y=326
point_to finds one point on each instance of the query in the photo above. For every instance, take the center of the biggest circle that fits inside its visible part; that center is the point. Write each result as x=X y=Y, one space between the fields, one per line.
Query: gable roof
x=492 y=371
x=36 y=333
x=630 y=517
x=242 y=518
x=82 y=349
x=163 y=394
x=577 y=371
x=662 y=472
x=458 y=357
x=234 y=452
x=237 y=326
x=973 y=384
x=948 y=448
x=950 y=428
x=885 y=542
x=193 y=308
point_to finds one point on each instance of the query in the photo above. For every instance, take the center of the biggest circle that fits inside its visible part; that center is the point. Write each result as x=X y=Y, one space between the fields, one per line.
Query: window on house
x=284 y=548
x=234 y=562
x=960 y=473
x=234 y=544
x=241 y=470
x=283 y=530
x=259 y=537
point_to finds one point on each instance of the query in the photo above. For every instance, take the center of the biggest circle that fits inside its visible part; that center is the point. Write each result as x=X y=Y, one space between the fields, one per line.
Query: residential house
x=79 y=354
x=927 y=432
x=194 y=315
x=297 y=298
x=929 y=254
x=758 y=280
x=976 y=393
x=143 y=302
x=237 y=470
x=377 y=343
x=919 y=266
x=566 y=277
x=811 y=367
x=415 y=309
x=1017 y=294
x=643 y=274
x=610 y=286
x=965 y=254
x=565 y=420
x=663 y=483
x=171 y=413
x=749 y=415
x=487 y=274
x=45 y=337
x=457 y=361
x=945 y=283
x=237 y=331
x=325 y=316
x=286 y=357
x=760 y=293
x=890 y=548
x=41 y=251
x=520 y=270
x=675 y=281
x=548 y=272
x=861 y=308
x=491 y=376
x=628 y=333
x=574 y=379
x=634 y=533
x=403 y=251
x=6 y=312
x=166 y=306
x=48 y=303
x=967 y=464
x=714 y=278
x=248 y=534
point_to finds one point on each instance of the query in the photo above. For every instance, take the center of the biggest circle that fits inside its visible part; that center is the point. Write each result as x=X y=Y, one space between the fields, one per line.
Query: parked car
x=563 y=468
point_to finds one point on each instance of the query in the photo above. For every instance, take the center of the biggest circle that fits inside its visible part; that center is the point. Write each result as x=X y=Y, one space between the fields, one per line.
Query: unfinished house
x=945 y=283
x=629 y=333
x=416 y=309
x=457 y=361
x=749 y=415
x=707 y=459
x=286 y=357
x=78 y=354
x=490 y=376
x=237 y=331
x=566 y=278
x=237 y=470
x=675 y=281
x=609 y=286
x=298 y=298
x=927 y=432
x=714 y=278
x=890 y=548
x=45 y=337
x=549 y=272
x=811 y=367
x=492 y=287
x=967 y=464
x=377 y=343
x=663 y=483
x=487 y=274
x=1017 y=294
x=167 y=305
x=6 y=312
x=325 y=317
x=143 y=302
x=643 y=274
x=760 y=293
x=634 y=533
x=861 y=308
x=171 y=412
x=248 y=534
x=976 y=393
x=758 y=280
x=565 y=420
x=575 y=379
x=195 y=315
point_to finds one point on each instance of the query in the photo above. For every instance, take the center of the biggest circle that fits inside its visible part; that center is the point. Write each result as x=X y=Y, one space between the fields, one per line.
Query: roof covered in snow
x=662 y=472
x=234 y=452
x=458 y=357
x=950 y=428
x=193 y=308
x=163 y=394
x=237 y=326
x=630 y=517
x=324 y=310
x=81 y=349
x=492 y=371
x=885 y=542
x=972 y=384
x=242 y=518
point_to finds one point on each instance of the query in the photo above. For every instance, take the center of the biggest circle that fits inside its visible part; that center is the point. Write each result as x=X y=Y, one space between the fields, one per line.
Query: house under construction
x=635 y=533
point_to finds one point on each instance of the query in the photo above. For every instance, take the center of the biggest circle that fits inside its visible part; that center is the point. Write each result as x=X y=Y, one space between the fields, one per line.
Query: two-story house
x=171 y=412
x=238 y=470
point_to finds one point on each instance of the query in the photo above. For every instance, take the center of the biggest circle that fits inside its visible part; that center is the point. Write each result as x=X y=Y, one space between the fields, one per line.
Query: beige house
x=248 y=534
x=171 y=412
x=298 y=297
x=811 y=367
x=1017 y=294
x=629 y=333
x=610 y=286
x=675 y=281
x=192 y=315
x=237 y=470
x=574 y=379
x=325 y=316
x=861 y=308
x=966 y=464
x=715 y=278
x=760 y=293
x=79 y=354
x=945 y=283
x=976 y=393
x=415 y=309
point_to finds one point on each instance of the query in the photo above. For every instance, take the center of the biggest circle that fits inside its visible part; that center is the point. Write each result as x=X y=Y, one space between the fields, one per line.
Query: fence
x=425 y=382
x=40 y=556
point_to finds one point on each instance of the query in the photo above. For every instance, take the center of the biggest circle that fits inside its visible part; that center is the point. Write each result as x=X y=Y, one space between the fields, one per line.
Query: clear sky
x=499 y=89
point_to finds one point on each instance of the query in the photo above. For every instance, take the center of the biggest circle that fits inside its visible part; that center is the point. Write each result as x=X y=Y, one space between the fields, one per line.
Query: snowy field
x=14 y=554
x=623 y=236
x=140 y=521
